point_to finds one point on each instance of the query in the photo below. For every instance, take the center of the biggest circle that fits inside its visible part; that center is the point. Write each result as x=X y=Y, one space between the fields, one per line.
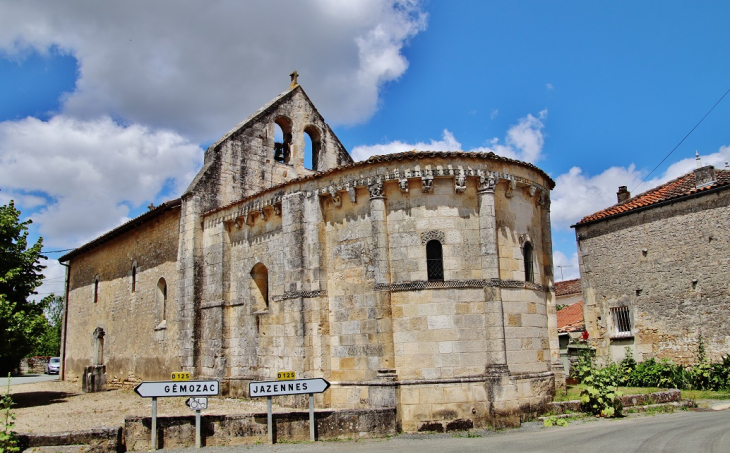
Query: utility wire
x=56 y=251
x=681 y=141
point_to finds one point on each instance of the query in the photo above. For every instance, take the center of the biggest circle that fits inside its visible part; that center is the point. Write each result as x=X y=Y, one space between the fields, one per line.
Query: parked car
x=53 y=366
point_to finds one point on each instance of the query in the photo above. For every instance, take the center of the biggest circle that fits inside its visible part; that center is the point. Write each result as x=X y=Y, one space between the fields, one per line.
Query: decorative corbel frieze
x=335 y=197
x=487 y=183
x=376 y=189
x=403 y=185
x=460 y=182
x=510 y=188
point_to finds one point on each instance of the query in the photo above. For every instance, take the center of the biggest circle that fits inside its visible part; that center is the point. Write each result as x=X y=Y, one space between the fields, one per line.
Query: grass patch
x=706 y=394
x=573 y=393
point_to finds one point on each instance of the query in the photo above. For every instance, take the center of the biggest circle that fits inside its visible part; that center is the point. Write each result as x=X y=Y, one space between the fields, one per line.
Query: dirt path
x=56 y=406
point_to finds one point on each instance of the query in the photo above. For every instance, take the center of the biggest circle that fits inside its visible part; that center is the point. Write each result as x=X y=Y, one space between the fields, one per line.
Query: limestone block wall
x=139 y=339
x=670 y=266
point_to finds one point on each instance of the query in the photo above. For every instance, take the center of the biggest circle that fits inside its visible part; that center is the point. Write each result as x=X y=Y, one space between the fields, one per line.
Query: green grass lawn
x=573 y=393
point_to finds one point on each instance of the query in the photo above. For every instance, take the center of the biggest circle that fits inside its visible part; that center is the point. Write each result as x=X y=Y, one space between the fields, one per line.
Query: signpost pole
x=153 y=441
x=311 y=417
x=269 y=422
x=197 y=429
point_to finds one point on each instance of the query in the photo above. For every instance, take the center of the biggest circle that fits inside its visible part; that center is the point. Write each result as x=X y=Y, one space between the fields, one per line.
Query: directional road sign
x=293 y=387
x=197 y=404
x=159 y=389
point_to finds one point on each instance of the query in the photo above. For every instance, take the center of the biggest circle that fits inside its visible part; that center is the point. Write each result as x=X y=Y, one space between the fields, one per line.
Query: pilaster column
x=496 y=347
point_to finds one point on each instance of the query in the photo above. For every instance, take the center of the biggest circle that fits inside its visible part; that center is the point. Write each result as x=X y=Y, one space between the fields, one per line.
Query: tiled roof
x=568 y=287
x=676 y=188
x=570 y=318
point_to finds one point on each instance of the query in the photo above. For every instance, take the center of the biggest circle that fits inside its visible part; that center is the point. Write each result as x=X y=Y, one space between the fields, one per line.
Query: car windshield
x=55 y=360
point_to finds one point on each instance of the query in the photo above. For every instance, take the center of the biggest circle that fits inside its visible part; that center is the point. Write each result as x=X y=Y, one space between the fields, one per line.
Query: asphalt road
x=28 y=379
x=682 y=431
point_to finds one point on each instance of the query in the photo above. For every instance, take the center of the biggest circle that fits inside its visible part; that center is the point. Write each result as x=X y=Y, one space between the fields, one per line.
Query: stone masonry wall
x=138 y=339
x=670 y=266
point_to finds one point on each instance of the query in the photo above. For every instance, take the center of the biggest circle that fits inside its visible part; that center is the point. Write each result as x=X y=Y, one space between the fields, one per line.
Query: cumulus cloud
x=577 y=194
x=199 y=67
x=90 y=173
x=524 y=141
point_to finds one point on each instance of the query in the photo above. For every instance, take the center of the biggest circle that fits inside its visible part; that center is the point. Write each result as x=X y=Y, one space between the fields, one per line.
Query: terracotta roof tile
x=676 y=188
x=570 y=318
x=567 y=287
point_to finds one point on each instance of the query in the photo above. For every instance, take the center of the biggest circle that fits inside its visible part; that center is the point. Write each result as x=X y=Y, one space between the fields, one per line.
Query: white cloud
x=199 y=67
x=494 y=114
x=524 y=141
x=577 y=195
x=549 y=86
x=565 y=268
x=92 y=171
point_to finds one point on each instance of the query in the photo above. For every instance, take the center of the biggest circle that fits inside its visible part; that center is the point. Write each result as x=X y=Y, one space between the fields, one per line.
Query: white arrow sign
x=293 y=387
x=177 y=388
x=197 y=404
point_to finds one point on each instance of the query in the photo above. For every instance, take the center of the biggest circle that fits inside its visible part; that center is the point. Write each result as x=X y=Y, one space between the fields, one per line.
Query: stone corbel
x=376 y=189
x=543 y=200
x=460 y=182
x=262 y=213
x=352 y=192
x=249 y=218
x=277 y=209
x=488 y=183
x=335 y=197
x=403 y=185
x=533 y=189
x=427 y=183
x=511 y=187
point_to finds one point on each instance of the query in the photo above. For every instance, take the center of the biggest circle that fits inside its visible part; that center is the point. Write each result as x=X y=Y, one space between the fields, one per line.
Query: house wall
x=136 y=343
x=670 y=266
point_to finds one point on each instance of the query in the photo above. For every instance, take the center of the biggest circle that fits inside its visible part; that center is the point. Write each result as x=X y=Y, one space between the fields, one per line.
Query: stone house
x=655 y=267
x=420 y=281
x=569 y=297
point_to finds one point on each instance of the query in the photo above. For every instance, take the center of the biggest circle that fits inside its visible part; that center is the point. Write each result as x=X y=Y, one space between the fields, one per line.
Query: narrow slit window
x=96 y=290
x=529 y=273
x=621 y=322
x=260 y=276
x=434 y=261
x=134 y=278
x=162 y=298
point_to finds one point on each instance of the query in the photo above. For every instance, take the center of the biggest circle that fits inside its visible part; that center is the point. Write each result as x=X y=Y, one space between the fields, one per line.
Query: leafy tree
x=21 y=321
x=50 y=341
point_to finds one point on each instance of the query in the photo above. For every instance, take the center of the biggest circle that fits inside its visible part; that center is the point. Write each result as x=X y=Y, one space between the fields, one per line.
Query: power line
x=56 y=251
x=681 y=141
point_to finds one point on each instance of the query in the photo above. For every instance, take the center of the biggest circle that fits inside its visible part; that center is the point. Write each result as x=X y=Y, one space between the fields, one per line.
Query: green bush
x=600 y=395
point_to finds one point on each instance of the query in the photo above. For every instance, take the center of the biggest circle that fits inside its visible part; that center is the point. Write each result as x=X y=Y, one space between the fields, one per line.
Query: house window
x=260 y=276
x=621 y=322
x=529 y=273
x=434 y=261
x=134 y=278
x=162 y=298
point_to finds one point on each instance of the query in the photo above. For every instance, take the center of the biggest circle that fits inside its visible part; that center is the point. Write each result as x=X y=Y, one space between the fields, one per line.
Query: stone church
x=419 y=281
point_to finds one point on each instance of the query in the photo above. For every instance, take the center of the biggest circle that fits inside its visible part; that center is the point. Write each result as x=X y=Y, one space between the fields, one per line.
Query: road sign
x=180 y=376
x=197 y=404
x=293 y=387
x=285 y=375
x=160 y=389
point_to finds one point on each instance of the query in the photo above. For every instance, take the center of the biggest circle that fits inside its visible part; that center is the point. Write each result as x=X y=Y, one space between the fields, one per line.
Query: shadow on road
x=33 y=399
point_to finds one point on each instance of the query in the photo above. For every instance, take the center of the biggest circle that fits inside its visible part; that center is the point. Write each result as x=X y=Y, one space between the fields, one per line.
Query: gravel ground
x=56 y=406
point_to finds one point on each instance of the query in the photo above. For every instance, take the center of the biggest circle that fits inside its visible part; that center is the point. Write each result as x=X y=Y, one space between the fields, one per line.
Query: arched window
x=96 y=289
x=282 y=140
x=313 y=147
x=260 y=276
x=527 y=252
x=134 y=278
x=434 y=261
x=162 y=299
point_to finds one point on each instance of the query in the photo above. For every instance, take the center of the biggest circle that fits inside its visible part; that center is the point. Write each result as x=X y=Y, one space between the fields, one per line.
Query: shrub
x=8 y=438
x=600 y=395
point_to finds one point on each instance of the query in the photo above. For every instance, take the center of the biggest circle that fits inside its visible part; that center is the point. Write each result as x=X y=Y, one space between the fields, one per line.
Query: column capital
x=488 y=183
x=376 y=189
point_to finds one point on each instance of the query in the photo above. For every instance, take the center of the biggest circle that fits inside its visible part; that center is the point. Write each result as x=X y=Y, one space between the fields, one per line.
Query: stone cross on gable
x=294 y=76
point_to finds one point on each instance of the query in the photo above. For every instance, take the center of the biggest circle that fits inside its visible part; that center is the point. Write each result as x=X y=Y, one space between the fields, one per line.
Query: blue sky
x=106 y=107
